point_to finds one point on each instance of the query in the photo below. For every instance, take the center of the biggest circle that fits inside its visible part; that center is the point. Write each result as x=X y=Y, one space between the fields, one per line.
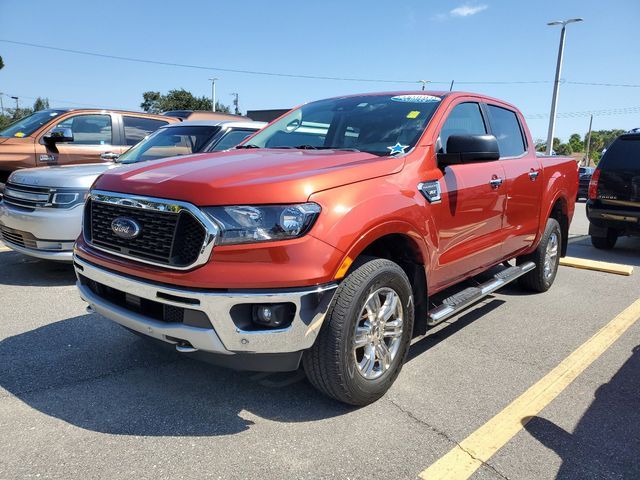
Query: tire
x=605 y=243
x=540 y=279
x=339 y=369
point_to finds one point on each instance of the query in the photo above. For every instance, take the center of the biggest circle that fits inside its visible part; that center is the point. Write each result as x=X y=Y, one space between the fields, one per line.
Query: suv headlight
x=262 y=223
x=68 y=198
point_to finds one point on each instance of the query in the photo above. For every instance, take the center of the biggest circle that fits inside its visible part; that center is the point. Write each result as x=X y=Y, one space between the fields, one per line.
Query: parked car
x=613 y=207
x=584 y=177
x=41 y=214
x=73 y=136
x=326 y=237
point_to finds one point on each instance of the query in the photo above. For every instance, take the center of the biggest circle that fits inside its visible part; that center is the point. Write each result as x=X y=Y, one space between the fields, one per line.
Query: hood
x=16 y=140
x=260 y=176
x=70 y=176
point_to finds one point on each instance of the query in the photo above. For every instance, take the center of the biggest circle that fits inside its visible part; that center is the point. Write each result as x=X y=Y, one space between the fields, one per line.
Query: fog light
x=274 y=315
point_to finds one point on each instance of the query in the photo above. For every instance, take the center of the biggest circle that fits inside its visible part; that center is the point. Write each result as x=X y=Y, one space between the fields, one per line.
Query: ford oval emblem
x=126 y=228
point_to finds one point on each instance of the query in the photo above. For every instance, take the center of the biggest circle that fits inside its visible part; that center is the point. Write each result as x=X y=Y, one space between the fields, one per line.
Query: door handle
x=533 y=174
x=109 y=156
x=496 y=181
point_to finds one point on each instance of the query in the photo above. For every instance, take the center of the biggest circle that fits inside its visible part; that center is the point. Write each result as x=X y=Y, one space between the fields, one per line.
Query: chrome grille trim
x=160 y=205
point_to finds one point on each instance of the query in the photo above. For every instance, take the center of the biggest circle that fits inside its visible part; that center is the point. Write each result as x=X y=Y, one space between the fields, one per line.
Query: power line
x=595 y=113
x=272 y=74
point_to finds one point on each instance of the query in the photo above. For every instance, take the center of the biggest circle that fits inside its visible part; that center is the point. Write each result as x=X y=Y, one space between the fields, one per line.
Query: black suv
x=613 y=207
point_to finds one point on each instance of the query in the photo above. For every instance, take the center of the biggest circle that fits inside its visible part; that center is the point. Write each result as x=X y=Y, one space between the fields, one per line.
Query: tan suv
x=70 y=136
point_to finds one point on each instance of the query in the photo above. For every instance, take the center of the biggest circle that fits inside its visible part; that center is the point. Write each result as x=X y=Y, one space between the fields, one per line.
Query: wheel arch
x=402 y=244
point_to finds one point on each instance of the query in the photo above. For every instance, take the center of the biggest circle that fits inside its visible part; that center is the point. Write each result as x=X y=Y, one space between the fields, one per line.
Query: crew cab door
x=96 y=138
x=469 y=218
x=523 y=179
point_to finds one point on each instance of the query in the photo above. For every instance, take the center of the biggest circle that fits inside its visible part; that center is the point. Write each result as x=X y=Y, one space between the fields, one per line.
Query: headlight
x=248 y=224
x=68 y=198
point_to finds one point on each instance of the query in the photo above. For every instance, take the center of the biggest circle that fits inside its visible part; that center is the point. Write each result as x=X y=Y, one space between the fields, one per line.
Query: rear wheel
x=607 y=242
x=546 y=257
x=365 y=337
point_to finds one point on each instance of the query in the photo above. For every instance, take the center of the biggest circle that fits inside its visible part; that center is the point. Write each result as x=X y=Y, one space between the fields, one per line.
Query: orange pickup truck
x=331 y=237
x=69 y=136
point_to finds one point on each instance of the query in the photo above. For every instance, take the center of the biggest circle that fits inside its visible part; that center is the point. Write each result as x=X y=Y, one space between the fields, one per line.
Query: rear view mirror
x=59 y=135
x=469 y=149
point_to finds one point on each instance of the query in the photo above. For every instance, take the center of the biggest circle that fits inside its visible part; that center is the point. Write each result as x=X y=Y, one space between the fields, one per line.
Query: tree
x=155 y=102
x=564 y=149
x=40 y=104
x=151 y=102
x=576 y=143
x=1 y=63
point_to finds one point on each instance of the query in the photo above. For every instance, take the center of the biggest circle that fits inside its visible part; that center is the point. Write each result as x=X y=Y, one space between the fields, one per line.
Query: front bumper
x=47 y=233
x=224 y=337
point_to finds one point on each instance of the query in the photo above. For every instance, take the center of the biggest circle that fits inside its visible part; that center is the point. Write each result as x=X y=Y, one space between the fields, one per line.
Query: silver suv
x=41 y=212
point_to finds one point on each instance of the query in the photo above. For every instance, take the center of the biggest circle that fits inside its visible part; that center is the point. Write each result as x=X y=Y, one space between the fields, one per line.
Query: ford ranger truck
x=329 y=237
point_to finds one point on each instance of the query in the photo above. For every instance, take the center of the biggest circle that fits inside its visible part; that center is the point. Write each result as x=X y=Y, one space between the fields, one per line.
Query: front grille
x=26 y=196
x=149 y=308
x=18 y=237
x=167 y=238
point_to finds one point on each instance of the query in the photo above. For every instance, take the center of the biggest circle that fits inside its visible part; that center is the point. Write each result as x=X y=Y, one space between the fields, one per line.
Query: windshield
x=27 y=125
x=377 y=124
x=170 y=142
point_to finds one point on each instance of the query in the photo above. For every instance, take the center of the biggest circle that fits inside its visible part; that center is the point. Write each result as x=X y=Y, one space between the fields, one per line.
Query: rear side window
x=506 y=128
x=464 y=119
x=231 y=139
x=137 y=128
x=623 y=154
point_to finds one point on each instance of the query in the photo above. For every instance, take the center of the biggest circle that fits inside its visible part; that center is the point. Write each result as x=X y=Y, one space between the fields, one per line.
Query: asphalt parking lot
x=82 y=398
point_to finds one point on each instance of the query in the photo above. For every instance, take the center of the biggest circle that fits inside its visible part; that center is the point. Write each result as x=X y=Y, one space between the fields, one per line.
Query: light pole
x=235 y=103
x=17 y=104
x=424 y=83
x=213 y=94
x=556 y=83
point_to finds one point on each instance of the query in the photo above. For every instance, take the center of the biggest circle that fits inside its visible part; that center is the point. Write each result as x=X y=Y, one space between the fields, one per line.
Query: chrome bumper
x=225 y=337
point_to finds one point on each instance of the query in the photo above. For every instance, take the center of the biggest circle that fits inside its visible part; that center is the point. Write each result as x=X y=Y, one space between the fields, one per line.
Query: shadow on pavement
x=93 y=374
x=22 y=270
x=606 y=441
x=626 y=251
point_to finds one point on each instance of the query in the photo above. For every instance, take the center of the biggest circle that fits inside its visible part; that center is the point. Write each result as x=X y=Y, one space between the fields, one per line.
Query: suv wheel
x=365 y=336
x=607 y=242
x=546 y=258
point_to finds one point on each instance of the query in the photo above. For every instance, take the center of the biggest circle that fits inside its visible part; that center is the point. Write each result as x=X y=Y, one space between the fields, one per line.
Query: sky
x=399 y=41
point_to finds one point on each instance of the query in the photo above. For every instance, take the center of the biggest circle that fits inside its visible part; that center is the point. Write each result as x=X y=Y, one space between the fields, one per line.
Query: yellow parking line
x=469 y=455
x=606 y=267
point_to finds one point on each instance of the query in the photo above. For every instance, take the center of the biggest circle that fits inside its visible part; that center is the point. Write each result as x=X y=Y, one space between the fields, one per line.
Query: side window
x=137 y=128
x=464 y=119
x=89 y=129
x=506 y=128
x=231 y=139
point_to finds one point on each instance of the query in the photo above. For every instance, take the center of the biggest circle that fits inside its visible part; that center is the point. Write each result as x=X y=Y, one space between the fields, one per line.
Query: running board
x=461 y=300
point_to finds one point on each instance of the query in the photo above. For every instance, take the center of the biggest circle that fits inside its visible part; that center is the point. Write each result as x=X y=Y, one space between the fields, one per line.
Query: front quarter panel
x=353 y=216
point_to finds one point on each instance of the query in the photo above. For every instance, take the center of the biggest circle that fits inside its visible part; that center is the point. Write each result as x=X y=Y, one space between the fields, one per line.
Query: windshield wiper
x=248 y=145
x=311 y=147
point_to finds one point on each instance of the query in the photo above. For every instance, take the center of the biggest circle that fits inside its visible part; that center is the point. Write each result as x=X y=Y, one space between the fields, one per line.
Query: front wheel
x=365 y=337
x=546 y=258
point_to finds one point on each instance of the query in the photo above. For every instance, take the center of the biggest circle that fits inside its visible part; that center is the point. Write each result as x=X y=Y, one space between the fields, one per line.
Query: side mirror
x=59 y=135
x=469 y=149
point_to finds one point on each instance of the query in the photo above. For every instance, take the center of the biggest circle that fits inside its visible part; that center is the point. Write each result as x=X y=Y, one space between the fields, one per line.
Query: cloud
x=467 y=10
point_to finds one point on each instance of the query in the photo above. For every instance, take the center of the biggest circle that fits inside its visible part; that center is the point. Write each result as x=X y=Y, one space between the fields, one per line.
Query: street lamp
x=556 y=83
x=424 y=83
x=213 y=94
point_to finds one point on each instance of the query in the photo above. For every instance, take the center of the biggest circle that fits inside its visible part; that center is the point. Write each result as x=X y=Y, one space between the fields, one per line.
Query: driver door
x=93 y=141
